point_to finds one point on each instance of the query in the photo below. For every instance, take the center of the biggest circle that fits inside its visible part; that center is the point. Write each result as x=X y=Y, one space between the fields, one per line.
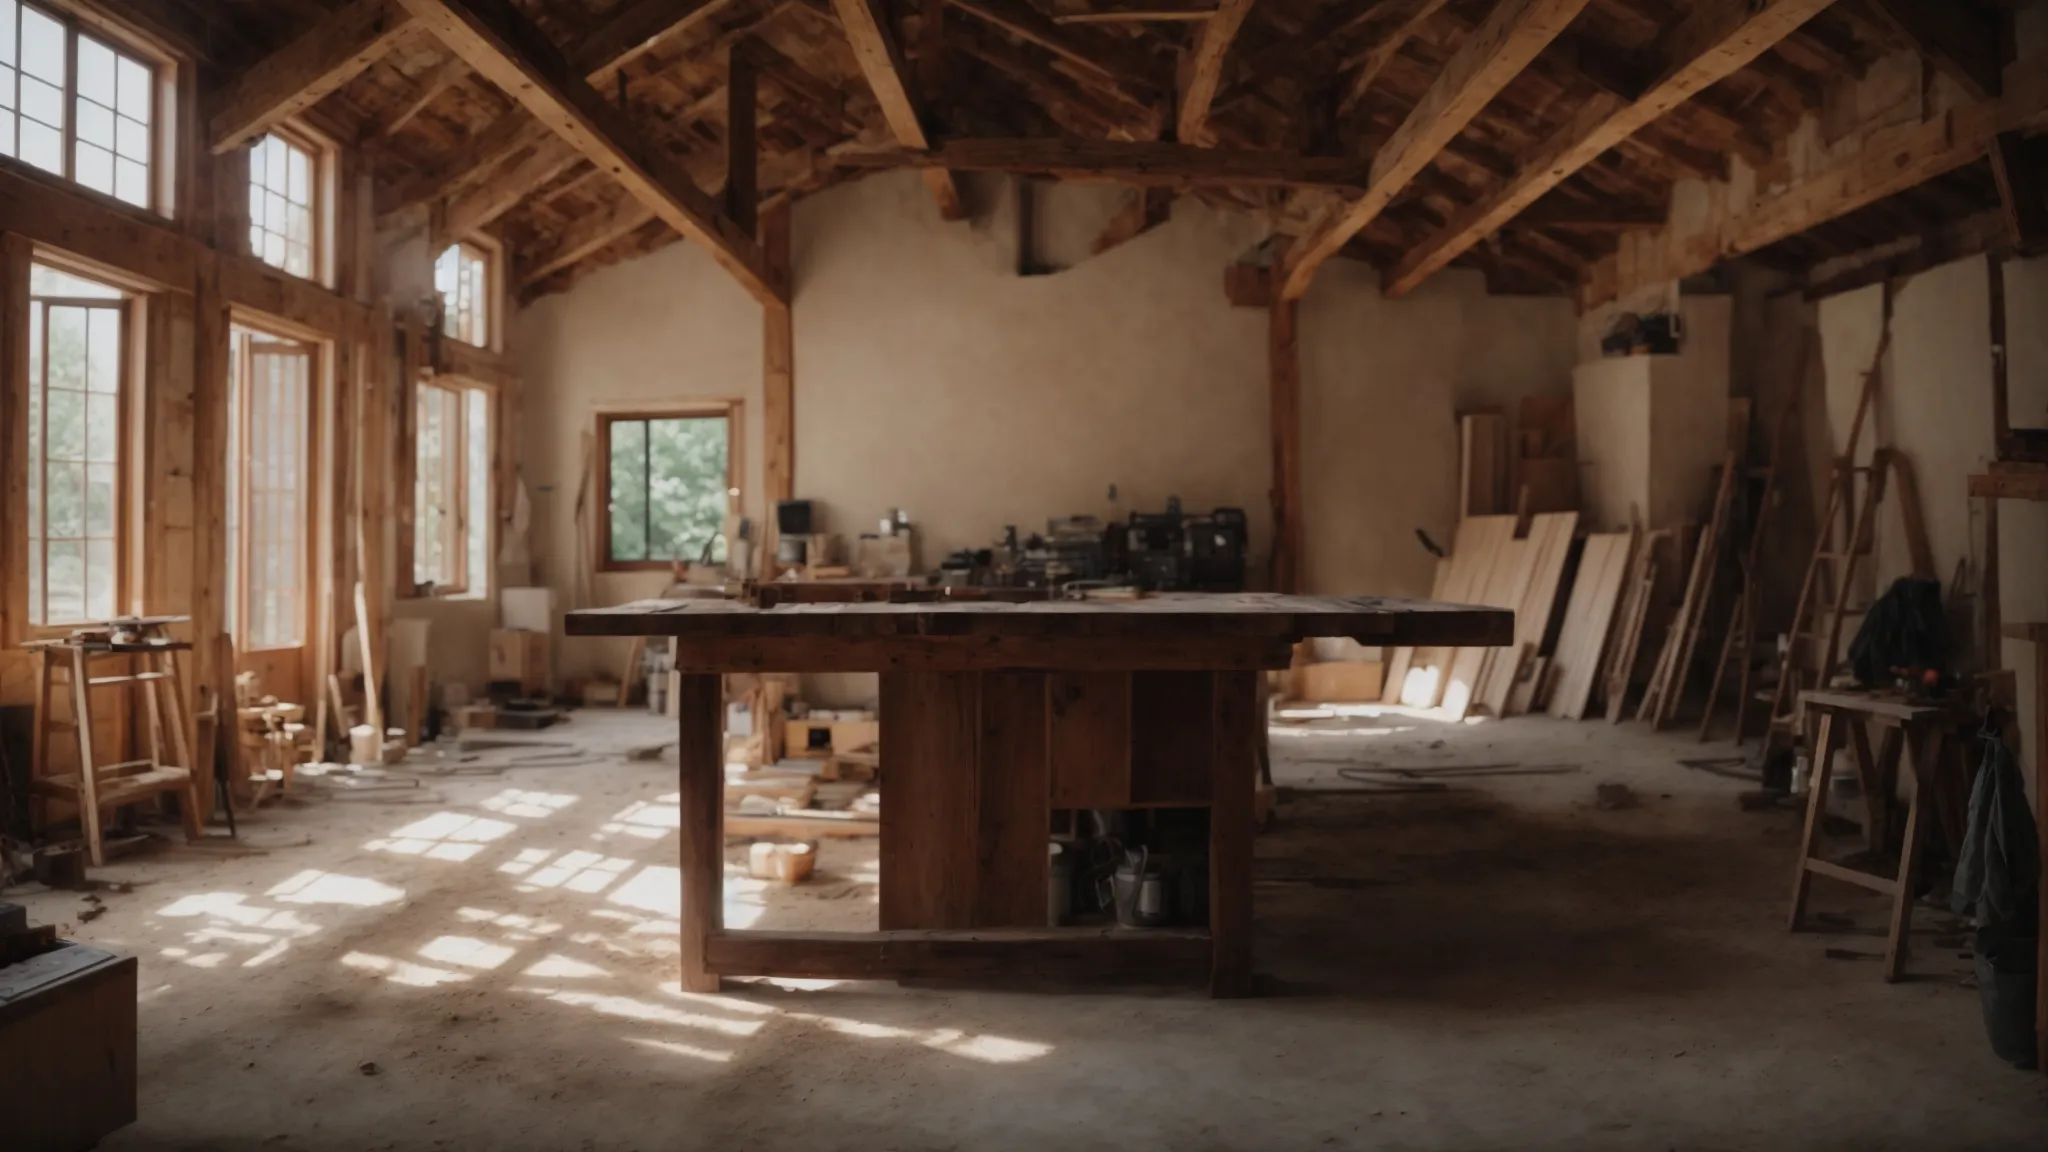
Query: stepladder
x=146 y=663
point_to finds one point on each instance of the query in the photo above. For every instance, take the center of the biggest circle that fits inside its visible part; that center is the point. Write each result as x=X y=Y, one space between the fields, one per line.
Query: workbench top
x=1248 y=615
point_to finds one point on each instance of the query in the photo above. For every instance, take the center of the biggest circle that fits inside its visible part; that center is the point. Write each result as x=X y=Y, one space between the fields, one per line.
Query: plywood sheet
x=1588 y=619
x=1470 y=667
x=1403 y=659
x=1470 y=564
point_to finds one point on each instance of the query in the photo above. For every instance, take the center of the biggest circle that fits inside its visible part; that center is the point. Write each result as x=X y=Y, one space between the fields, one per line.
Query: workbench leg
x=2040 y=753
x=1923 y=753
x=1816 y=809
x=1233 y=783
x=700 y=755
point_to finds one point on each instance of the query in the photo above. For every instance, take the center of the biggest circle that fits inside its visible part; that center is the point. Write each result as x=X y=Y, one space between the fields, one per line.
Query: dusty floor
x=487 y=963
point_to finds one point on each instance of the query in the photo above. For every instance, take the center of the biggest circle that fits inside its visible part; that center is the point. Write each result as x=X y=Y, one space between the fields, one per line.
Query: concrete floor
x=487 y=963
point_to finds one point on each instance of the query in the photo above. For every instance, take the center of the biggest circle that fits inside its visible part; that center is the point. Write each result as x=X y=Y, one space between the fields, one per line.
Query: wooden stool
x=1925 y=735
x=97 y=786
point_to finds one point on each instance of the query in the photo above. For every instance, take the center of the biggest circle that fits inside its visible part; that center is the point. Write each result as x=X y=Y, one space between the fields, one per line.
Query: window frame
x=243 y=332
x=164 y=73
x=491 y=255
x=323 y=156
x=466 y=586
x=728 y=410
x=130 y=443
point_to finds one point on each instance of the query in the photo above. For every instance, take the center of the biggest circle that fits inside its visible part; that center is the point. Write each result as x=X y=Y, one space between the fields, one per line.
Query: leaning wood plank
x=505 y=47
x=1718 y=39
x=881 y=62
x=1469 y=666
x=1470 y=561
x=1603 y=568
x=1535 y=598
x=1494 y=54
x=1403 y=658
x=303 y=72
x=1205 y=70
x=931 y=728
x=700 y=798
x=1628 y=649
x=1067 y=954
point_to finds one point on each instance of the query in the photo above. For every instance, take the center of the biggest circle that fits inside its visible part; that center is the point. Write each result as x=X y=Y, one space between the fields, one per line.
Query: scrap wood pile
x=799 y=778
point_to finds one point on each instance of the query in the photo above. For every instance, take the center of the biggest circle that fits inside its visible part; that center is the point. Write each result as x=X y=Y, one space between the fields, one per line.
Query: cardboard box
x=1347 y=682
x=819 y=739
x=520 y=658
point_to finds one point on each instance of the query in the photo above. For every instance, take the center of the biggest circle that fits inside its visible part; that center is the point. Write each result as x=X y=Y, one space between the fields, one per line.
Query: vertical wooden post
x=701 y=797
x=742 y=156
x=212 y=651
x=2040 y=751
x=15 y=256
x=373 y=522
x=1285 y=356
x=1233 y=779
x=778 y=380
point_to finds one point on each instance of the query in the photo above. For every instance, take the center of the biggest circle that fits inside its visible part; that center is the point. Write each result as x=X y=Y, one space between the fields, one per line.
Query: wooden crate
x=67 y=1048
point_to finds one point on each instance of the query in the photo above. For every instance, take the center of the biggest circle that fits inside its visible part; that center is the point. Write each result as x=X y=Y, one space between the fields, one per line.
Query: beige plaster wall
x=1934 y=406
x=931 y=377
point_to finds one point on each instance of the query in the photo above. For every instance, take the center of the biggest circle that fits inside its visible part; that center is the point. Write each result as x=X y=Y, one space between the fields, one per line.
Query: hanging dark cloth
x=1906 y=629
x=1997 y=882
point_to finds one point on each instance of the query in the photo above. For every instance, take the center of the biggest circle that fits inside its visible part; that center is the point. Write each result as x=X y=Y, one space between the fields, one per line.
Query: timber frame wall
x=193 y=273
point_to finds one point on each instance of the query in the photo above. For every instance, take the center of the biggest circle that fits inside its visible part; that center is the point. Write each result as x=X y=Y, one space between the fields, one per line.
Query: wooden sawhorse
x=1924 y=737
x=96 y=786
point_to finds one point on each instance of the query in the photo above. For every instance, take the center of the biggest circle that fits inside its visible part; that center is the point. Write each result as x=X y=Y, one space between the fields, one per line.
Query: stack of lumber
x=1489 y=565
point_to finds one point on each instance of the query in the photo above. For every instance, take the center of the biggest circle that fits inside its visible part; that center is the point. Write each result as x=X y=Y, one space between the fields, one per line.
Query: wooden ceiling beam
x=1034 y=27
x=505 y=47
x=1133 y=11
x=2020 y=167
x=478 y=156
x=1592 y=218
x=1720 y=38
x=1893 y=159
x=1375 y=59
x=881 y=62
x=452 y=71
x=1139 y=163
x=634 y=29
x=471 y=210
x=303 y=72
x=1492 y=56
x=1957 y=37
x=1204 y=71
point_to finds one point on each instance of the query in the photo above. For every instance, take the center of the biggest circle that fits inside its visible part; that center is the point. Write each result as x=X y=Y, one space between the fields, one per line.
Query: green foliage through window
x=668 y=488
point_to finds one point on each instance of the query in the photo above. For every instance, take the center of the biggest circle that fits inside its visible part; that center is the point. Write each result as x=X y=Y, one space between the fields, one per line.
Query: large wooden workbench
x=993 y=715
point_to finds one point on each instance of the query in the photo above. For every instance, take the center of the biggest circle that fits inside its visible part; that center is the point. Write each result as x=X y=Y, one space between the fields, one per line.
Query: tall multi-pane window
x=284 y=204
x=452 y=490
x=76 y=105
x=77 y=352
x=462 y=275
x=270 y=387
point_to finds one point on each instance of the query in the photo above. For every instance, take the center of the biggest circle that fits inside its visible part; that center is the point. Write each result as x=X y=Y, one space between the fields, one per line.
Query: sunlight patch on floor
x=648 y=821
x=675 y=1049
x=466 y=952
x=449 y=836
x=529 y=805
x=403 y=971
x=316 y=887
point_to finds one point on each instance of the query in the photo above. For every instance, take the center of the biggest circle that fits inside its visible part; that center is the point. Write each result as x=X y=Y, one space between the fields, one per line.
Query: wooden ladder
x=1738 y=648
x=1846 y=533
